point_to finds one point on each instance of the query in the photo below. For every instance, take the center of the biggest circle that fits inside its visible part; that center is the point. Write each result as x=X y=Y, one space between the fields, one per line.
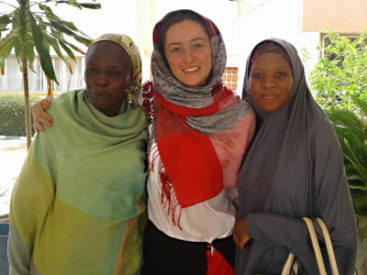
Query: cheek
x=88 y=81
x=174 y=66
x=208 y=57
x=288 y=89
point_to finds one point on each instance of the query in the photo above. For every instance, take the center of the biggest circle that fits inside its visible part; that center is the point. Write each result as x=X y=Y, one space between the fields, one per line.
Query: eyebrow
x=279 y=67
x=191 y=41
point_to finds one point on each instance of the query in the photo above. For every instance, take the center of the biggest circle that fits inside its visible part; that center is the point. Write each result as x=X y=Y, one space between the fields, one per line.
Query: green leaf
x=7 y=44
x=54 y=44
x=68 y=51
x=45 y=58
x=48 y=12
x=90 y=5
x=71 y=45
x=5 y=19
x=57 y=25
x=17 y=51
x=30 y=52
x=70 y=2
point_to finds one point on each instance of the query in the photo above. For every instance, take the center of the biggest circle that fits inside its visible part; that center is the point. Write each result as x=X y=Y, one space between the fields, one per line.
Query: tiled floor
x=12 y=154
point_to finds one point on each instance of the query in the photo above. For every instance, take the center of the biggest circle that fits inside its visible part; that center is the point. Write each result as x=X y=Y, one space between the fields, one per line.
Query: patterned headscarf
x=132 y=51
x=172 y=89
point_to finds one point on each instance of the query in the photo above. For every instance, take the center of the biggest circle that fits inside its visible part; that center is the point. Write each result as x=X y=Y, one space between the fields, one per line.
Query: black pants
x=163 y=255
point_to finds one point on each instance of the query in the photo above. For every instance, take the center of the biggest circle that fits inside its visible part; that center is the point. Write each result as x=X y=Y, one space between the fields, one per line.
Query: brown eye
x=92 y=71
x=113 y=73
x=175 y=50
x=280 y=74
x=257 y=76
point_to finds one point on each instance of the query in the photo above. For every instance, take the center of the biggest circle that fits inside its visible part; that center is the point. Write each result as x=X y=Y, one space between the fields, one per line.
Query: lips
x=269 y=97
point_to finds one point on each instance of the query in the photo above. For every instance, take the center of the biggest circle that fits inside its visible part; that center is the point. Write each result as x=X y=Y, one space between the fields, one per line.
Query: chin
x=194 y=84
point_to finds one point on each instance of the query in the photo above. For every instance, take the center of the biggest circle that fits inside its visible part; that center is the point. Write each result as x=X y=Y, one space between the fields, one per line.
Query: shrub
x=342 y=73
x=12 y=113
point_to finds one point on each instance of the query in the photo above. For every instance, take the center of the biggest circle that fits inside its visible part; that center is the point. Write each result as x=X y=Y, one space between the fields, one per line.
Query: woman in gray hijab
x=293 y=169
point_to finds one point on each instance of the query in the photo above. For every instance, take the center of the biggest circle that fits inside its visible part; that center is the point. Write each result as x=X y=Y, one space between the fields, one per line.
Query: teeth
x=189 y=70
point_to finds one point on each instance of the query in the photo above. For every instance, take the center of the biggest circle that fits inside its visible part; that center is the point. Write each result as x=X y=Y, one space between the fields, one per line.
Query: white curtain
x=12 y=80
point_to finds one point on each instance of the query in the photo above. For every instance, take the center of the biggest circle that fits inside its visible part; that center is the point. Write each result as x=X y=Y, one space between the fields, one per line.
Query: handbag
x=291 y=266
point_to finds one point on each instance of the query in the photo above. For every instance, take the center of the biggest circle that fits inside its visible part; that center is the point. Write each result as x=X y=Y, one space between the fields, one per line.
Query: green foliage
x=31 y=26
x=351 y=127
x=342 y=73
x=34 y=25
x=12 y=114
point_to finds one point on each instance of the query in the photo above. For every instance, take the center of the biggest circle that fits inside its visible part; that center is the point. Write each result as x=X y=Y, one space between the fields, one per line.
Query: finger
x=37 y=127
x=46 y=102
x=237 y=241
x=40 y=115
x=45 y=119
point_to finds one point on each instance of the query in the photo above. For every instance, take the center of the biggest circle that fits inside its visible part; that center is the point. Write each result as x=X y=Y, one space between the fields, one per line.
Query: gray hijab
x=294 y=168
x=280 y=135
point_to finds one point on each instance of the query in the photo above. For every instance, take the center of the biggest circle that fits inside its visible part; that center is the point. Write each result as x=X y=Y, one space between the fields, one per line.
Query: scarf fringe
x=168 y=196
x=169 y=199
x=153 y=158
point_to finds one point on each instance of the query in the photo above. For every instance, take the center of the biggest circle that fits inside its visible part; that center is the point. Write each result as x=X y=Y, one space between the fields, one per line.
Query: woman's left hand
x=240 y=236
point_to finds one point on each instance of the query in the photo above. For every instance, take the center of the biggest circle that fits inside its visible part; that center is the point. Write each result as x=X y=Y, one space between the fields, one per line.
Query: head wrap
x=201 y=132
x=268 y=47
x=294 y=168
x=132 y=51
x=173 y=90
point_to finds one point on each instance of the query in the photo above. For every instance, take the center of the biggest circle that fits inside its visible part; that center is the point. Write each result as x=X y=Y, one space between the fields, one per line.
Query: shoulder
x=63 y=103
x=65 y=98
x=323 y=140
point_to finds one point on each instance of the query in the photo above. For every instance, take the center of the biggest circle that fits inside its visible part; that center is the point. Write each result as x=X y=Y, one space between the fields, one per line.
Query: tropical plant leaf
x=58 y=26
x=362 y=105
x=75 y=48
x=73 y=3
x=5 y=19
x=7 y=44
x=61 y=28
x=45 y=58
x=2 y=67
x=54 y=44
x=17 y=50
x=90 y=5
x=68 y=51
x=48 y=12
x=357 y=187
x=30 y=52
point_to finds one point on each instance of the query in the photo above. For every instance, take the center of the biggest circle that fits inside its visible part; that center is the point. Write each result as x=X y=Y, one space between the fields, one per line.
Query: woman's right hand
x=240 y=236
x=40 y=115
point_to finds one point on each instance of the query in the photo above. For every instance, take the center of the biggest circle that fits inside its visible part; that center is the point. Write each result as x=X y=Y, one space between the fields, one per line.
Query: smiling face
x=108 y=73
x=188 y=53
x=270 y=82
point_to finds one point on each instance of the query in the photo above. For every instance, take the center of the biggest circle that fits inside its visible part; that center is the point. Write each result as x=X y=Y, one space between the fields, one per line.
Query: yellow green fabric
x=78 y=206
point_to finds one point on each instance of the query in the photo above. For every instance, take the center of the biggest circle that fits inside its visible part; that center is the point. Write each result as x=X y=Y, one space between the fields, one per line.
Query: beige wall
x=346 y=16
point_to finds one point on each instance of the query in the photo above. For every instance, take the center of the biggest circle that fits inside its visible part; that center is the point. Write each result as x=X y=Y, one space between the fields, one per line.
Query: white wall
x=273 y=18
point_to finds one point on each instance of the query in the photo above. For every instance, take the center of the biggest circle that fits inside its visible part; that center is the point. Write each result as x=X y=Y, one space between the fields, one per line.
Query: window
x=230 y=77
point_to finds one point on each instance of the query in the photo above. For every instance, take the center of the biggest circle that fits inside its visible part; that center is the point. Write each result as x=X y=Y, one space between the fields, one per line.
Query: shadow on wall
x=4 y=230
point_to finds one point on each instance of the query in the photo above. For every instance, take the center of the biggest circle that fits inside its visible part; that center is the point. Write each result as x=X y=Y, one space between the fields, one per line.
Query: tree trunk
x=27 y=114
x=24 y=6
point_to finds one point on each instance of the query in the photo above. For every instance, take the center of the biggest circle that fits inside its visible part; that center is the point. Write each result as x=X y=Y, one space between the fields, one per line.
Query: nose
x=188 y=56
x=268 y=82
x=101 y=80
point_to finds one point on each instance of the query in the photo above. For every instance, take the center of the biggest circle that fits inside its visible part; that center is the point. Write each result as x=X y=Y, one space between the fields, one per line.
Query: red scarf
x=196 y=167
